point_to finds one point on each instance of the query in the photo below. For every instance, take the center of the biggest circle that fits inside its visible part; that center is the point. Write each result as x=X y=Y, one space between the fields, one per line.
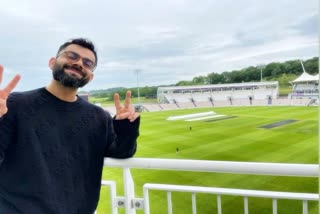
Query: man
x=52 y=143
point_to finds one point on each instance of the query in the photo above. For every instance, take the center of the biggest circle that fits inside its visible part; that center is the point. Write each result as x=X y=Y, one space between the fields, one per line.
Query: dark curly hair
x=85 y=43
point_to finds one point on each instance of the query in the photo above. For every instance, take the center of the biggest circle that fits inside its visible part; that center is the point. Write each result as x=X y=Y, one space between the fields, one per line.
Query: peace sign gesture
x=127 y=111
x=4 y=93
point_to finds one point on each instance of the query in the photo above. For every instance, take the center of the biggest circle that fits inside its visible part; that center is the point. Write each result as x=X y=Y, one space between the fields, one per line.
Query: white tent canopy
x=305 y=77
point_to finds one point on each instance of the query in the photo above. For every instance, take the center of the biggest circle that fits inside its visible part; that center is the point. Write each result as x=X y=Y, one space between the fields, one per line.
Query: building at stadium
x=248 y=91
x=305 y=86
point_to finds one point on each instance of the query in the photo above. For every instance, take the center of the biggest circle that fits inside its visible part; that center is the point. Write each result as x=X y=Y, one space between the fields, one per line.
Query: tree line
x=283 y=72
x=270 y=71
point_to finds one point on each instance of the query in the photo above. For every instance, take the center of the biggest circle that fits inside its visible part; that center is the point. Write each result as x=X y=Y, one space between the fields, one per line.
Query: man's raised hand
x=127 y=111
x=4 y=93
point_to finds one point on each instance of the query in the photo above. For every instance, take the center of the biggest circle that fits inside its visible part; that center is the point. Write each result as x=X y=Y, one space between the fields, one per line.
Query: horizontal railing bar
x=237 y=192
x=257 y=168
x=108 y=183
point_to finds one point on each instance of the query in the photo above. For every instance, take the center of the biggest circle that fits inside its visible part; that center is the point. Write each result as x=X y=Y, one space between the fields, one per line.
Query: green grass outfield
x=235 y=139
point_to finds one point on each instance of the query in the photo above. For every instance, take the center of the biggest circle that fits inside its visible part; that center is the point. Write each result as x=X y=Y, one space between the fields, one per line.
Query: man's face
x=70 y=70
x=70 y=80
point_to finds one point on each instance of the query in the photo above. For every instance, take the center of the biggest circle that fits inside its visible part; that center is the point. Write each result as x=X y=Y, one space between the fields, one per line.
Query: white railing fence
x=131 y=203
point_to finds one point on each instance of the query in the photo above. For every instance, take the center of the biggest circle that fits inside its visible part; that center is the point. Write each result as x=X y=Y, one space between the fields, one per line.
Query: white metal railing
x=131 y=203
x=113 y=193
x=304 y=197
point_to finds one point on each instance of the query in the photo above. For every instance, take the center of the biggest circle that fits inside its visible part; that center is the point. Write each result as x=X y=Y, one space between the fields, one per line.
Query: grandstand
x=237 y=94
x=305 y=86
x=218 y=94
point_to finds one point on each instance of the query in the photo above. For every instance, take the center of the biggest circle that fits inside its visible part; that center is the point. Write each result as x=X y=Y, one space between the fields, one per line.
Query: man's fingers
x=116 y=99
x=12 y=84
x=126 y=112
x=3 y=111
x=127 y=100
x=122 y=116
x=134 y=117
x=1 y=73
x=130 y=111
x=127 y=115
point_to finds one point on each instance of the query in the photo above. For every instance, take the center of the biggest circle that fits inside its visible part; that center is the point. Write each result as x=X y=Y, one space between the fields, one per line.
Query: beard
x=67 y=80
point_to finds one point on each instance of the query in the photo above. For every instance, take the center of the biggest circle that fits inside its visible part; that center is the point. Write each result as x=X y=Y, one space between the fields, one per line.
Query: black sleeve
x=122 y=140
x=7 y=129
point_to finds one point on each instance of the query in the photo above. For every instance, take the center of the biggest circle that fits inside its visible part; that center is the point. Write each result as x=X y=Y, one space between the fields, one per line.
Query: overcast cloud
x=168 y=40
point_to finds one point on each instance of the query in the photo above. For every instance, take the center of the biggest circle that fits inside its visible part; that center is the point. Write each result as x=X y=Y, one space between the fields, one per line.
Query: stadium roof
x=220 y=85
x=305 y=77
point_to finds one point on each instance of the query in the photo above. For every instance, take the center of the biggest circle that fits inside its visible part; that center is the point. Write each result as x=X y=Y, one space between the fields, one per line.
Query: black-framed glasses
x=74 y=57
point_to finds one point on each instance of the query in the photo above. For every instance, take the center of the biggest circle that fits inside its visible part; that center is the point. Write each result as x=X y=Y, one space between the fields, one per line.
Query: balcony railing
x=131 y=203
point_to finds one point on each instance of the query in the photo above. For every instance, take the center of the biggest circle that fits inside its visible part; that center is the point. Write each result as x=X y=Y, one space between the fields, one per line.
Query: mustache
x=74 y=67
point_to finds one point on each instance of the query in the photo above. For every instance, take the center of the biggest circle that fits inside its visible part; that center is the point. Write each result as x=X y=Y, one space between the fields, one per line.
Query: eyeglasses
x=74 y=57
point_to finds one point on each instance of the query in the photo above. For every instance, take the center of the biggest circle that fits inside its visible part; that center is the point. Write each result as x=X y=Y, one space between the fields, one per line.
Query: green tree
x=251 y=74
x=214 y=78
x=273 y=69
x=292 y=67
x=312 y=65
x=184 y=83
x=285 y=79
x=200 y=80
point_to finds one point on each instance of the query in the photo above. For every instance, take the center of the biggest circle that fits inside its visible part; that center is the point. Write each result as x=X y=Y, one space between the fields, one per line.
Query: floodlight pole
x=137 y=71
x=261 y=66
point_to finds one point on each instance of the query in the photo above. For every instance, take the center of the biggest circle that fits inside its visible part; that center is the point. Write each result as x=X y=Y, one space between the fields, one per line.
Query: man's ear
x=51 y=62
x=91 y=77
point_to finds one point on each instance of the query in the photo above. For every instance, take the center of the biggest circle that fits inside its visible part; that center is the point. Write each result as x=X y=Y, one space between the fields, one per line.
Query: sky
x=152 y=43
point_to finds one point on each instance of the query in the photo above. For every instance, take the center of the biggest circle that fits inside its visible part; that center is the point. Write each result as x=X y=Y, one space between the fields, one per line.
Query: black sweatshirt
x=51 y=153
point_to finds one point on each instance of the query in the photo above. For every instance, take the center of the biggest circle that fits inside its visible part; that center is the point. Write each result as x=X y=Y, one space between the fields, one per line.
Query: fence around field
x=131 y=203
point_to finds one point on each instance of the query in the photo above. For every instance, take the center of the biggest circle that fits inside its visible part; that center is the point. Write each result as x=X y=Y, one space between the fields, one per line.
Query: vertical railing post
x=146 y=201
x=246 y=205
x=194 y=203
x=305 y=207
x=219 y=204
x=128 y=191
x=169 y=202
x=274 y=206
x=113 y=195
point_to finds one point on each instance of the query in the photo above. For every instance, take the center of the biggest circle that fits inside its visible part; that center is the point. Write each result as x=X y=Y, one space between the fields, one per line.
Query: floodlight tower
x=137 y=71
x=261 y=66
x=304 y=71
